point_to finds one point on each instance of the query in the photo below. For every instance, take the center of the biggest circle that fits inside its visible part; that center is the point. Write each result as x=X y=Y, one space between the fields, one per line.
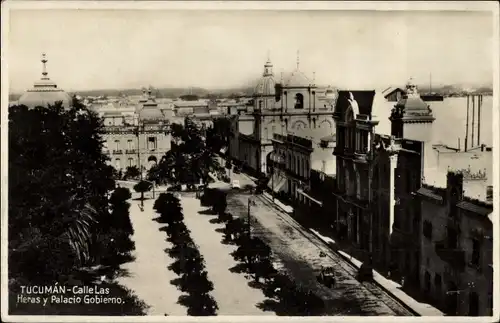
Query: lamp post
x=140 y=129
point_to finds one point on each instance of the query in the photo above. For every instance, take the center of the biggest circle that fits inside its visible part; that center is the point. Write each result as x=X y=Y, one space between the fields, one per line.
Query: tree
x=220 y=204
x=202 y=305
x=169 y=208
x=142 y=187
x=58 y=191
x=189 y=159
x=131 y=172
x=234 y=229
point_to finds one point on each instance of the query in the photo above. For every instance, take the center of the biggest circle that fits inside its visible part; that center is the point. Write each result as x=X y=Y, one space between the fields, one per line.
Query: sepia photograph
x=171 y=160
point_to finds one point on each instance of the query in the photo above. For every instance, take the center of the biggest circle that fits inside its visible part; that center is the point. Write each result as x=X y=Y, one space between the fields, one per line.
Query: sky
x=108 y=49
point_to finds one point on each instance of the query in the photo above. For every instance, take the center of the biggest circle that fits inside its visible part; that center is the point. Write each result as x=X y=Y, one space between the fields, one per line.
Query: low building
x=393 y=94
x=456 y=270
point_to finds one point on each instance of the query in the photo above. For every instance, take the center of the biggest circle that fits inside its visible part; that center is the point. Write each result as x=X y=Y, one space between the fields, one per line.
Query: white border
x=251 y=5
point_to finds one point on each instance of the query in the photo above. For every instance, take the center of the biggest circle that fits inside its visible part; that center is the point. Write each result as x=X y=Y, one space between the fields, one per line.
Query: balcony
x=119 y=151
x=454 y=257
x=131 y=151
x=361 y=157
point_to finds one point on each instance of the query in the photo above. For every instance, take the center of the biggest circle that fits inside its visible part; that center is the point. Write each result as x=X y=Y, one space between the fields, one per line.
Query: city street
x=231 y=290
x=299 y=251
x=148 y=275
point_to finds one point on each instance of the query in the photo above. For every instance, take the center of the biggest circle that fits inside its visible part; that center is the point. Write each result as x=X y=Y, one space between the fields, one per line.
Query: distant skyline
x=103 y=49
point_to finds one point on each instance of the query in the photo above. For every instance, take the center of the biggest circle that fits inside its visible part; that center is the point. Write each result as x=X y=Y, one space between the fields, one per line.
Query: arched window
x=299 y=101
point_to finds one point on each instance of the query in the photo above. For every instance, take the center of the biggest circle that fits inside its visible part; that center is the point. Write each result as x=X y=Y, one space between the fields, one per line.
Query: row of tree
x=256 y=259
x=189 y=264
x=63 y=214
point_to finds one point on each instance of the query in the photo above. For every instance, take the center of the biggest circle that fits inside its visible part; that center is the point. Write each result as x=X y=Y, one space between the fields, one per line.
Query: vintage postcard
x=249 y=161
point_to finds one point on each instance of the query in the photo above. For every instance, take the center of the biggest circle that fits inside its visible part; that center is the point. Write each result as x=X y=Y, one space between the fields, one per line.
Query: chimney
x=467 y=124
x=479 y=105
x=473 y=118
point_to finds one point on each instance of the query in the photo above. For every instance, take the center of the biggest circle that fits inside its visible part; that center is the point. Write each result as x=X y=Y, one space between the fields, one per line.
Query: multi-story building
x=377 y=174
x=290 y=105
x=140 y=140
x=386 y=209
x=456 y=252
x=289 y=164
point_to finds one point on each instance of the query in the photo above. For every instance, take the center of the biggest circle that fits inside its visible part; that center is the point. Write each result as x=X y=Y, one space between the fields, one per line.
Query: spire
x=268 y=67
x=44 y=70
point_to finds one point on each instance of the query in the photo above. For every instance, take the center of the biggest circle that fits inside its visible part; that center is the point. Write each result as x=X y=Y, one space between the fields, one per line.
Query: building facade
x=289 y=165
x=138 y=140
x=283 y=107
x=456 y=252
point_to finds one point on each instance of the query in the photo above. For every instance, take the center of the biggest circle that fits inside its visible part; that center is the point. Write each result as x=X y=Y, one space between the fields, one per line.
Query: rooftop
x=44 y=92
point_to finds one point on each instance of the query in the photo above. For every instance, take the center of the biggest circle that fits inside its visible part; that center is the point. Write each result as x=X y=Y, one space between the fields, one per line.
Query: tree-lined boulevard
x=205 y=250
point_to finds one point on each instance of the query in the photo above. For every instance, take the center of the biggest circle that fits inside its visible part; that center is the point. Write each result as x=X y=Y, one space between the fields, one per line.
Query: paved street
x=148 y=275
x=231 y=290
x=299 y=251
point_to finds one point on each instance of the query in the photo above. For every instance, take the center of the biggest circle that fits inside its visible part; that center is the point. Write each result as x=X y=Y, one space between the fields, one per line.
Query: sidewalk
x=390 y=286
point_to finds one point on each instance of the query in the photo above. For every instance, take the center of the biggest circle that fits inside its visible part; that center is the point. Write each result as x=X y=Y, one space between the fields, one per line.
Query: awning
x=277 y=183
x=300 y=191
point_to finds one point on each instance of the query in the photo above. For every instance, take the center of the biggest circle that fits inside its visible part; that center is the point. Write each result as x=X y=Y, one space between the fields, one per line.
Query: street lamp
x=251 y=202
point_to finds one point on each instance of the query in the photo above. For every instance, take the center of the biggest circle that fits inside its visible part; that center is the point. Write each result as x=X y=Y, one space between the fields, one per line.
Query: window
x=129 y=144
x=299 y=101
x=260 y=104
x=427 y=230
x=489 y=194
x=130 y=162
x=117 y=144
x=476 y=255
x=117 y=163
x=151 y=143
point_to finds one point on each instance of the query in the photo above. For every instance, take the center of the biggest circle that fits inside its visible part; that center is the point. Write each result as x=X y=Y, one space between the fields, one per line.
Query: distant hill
x=169 y=92
x=445 y=90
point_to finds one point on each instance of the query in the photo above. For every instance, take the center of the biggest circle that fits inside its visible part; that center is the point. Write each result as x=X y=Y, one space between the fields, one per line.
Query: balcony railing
x=131 y=151
x=118 y=151
x=361 y=156
x=454 y=257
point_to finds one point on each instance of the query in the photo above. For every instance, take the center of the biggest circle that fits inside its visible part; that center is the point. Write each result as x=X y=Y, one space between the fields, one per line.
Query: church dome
x=266 y=85
x=150 y=112
x=45 y=92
